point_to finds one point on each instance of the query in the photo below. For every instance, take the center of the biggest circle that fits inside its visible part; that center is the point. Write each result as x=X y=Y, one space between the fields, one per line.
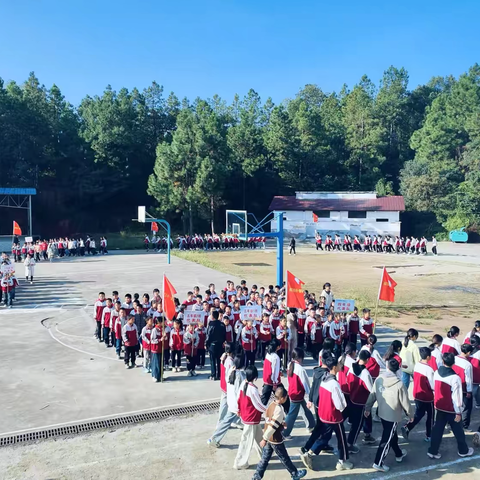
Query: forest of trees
x=190 y=160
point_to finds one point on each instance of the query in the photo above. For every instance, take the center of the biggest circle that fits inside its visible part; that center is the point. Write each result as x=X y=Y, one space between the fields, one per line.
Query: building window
x=322 y=214
x=357 y=214
x=382 y=219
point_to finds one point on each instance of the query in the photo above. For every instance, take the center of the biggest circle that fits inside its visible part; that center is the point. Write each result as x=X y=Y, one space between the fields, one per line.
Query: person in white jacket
x=29 y=267
x=410 y=356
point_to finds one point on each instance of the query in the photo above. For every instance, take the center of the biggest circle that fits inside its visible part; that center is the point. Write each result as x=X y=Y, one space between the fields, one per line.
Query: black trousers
x=355 y=414
x=249 y=359
x=282 y=455
x=467 y=410
x=130 y=354
x=176 y=358
x=389 y=440
x=441 y=419
x=99 y=330
x=191 y=362
x=267 y=391
x=201 y=357
x=292 y=249
x=215 y=352
x=422 y=409
x=319 y=247
x=339 y=430
x=106 y=335
x=301 y=340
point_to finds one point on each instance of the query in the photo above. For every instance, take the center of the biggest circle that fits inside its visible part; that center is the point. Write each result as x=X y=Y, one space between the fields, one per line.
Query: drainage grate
x=120 y=421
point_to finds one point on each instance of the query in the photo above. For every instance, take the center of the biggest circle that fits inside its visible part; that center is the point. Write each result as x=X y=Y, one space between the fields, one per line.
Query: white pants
x=251 y=437
x=223 y=408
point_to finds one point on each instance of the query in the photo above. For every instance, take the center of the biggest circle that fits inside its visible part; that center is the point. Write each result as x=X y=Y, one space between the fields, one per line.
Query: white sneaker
x=345 y=465
x=468 y=454
x=381 y=468
x=432 y=456
x=400 y=459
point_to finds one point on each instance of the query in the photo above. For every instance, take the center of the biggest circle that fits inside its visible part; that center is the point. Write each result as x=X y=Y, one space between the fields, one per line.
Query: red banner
x=154 y=227
x=315 y=218
x=387 y=287
x=168 y=301
x=295 y=295
x=16 y=228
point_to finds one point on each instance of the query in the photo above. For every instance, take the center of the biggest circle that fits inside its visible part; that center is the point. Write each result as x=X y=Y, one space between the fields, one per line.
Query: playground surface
x=54 y=372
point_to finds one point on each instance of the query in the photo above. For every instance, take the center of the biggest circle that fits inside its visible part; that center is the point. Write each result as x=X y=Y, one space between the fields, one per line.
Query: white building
x=355 y=213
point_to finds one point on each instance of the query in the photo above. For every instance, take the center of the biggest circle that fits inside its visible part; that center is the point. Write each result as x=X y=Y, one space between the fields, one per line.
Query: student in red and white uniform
x=436 y=355
x=475 y=361
x=448 y=400
x=336 y=333
x=146 y=335
x=107 y=317
x=146 y=304
x=128 y=304
x=226 y=363
x=116 y=312
x=202 y=335
x=475 y=332
x=423 y=388
x=229 y=333
x=230 y=291
x=248 y=337
x=190 y=345
x=159 y=342
x=331 y=404
x=463 y=368
x=130 y=340
x=189 y=302
x=274 y=317
x=283 y=335
x=359 y=384
x=98 y=307
x=176 y=345
x=316 y=337
x=310 y=320
x=198 y=305
x=250 y=408
x=348 y=359
x=393 y=351
x=353 y=327
x=271 y=370
x=450 y=344
x=366 y=326
x=298 y=388
x=264 y=334
x=375 y=362
x=301 y=320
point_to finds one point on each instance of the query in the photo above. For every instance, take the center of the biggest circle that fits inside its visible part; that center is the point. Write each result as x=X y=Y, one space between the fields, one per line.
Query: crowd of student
x=8 y=279
x=375 y=243
x=203 y=242
x=57 y=247
x=345 y=386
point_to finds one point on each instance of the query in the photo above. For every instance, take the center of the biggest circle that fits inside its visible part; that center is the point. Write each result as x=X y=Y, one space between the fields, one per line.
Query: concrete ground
x=52 y=371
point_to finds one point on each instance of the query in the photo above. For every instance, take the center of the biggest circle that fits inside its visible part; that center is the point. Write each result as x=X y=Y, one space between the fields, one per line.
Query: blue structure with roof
x=19 y=198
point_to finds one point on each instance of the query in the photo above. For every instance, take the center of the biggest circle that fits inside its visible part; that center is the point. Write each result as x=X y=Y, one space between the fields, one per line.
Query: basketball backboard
x=141 y=214
x=236 y=223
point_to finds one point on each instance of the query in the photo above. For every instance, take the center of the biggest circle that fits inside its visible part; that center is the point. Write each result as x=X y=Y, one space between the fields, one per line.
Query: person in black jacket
x=216 y=336
x=292 y=246
x=317 y=442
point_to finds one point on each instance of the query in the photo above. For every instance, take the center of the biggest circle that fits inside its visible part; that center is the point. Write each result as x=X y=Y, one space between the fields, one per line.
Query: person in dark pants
x=216 y=336
x=130 y=340
x=292 y=246
x=273 y=441
x=448 y=408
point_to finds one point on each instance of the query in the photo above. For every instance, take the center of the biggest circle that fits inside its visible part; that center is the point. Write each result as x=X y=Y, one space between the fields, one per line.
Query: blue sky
x=202 y=47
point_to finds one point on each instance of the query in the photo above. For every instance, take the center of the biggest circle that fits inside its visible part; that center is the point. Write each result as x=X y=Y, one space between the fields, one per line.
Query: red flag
x=315 y=218
x=154 y=227
x=295 y=296
x=387 y=287
x=168 y=302
x=16 y=228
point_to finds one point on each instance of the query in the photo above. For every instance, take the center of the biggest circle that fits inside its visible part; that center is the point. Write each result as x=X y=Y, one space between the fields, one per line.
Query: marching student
x=190 y=345
x=202 y=336
x=283 y=336
x=393 y=351
x=463 y=368
x=423 y=388
x=298 y=387
x=251 y=408
x=410 y=356
x=436 y=355
x=176 y=345
x=146 y=345
x=107 y=321
x=450 y=344
x=235 y=376
x=226 y=363
x=360 y=384
x=98 y=307
x=249 y=336
x=271 y=370
x=366 y=326
x=448 y=401
x=346 y=362
x=475 y=332
x=375 y=363
x=273 y=441
x=130 y=340
x=392 y=397
x=475 y=360
x=301 y=320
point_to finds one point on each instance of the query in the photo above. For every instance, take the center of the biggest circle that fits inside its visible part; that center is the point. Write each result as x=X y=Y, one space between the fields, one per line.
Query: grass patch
x=428 y=315
x=206 y=260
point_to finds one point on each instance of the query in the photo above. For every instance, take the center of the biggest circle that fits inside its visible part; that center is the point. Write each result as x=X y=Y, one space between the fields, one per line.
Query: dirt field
x=432 y=294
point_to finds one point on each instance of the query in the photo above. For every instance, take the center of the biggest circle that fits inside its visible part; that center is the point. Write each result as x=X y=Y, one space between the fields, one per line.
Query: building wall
x=300 y=223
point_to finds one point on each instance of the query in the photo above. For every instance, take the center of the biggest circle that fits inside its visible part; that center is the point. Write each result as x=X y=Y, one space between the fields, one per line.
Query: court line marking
x=429 y=467
x=112 y=415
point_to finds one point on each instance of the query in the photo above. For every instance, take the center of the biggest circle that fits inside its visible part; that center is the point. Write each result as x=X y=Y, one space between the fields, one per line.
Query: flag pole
x=378 y=300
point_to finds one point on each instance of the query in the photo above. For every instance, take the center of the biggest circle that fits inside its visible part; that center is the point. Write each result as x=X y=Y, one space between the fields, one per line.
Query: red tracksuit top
x=298 y=383
x=360 y=385
x=342 y=375
x=423 y=382
x=448 y=396
x=331 y=401
x=176 y=339
x=250 y=405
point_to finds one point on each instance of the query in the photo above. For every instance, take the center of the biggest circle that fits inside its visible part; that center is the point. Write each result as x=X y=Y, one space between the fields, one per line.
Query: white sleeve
x=431 y=380
x=256 y=399
x=332 y=331
x=278 y=334
x=367 y=379
x=457 y=346
x=103 y=316
x=243 y=336
x=171 y=341
x=469 y=377
x=457 y=396
x=338 y=398
x=362 y=323
x=305 y=380
x=378 y=359
x=275 y=369
x=312 y=331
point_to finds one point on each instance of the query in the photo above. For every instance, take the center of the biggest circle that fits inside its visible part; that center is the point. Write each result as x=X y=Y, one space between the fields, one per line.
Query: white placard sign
x=8 y=268
x=29 y=239
x=251 y=312
x=190 y=316
x=342 y=305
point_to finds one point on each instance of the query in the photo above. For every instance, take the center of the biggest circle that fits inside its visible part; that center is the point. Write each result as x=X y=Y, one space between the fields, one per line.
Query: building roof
x=391 y=204
x=18 y=191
